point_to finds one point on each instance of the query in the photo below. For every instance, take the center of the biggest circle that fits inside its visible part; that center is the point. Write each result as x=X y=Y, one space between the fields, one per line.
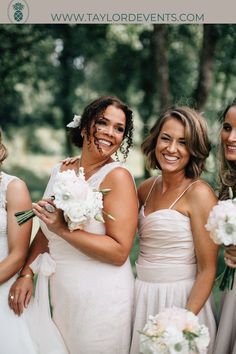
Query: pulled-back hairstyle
x=227 y=168
x=3 y=150
x=93 y=111
x=195 y=136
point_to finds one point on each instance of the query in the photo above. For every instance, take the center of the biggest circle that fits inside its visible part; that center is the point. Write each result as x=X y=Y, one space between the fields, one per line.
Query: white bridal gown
x=166 y=269
x=92 y=301
x=14 y=333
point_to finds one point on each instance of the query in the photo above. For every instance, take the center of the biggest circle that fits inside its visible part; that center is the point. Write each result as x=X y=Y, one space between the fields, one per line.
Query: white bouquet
x=79 y=202
x=76 y=198
x=175 y=330
x=222 y=226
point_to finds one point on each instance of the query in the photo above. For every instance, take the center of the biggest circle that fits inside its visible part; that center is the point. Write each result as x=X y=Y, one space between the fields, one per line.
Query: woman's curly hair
x=93 y=111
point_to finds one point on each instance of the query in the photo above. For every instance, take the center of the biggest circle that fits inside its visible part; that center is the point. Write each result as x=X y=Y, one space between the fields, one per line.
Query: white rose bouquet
x=76 y=198
x=222 y=226
x=175 y=330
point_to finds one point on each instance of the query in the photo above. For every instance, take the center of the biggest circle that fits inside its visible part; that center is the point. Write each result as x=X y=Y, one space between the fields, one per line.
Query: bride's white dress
x=92 y=301
x=14 y=333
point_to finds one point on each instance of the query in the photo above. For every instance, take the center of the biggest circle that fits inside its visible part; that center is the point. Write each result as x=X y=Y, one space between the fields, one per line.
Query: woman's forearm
x=201 y=290
x=102 y=247
x=39 y=245
x=11 y=265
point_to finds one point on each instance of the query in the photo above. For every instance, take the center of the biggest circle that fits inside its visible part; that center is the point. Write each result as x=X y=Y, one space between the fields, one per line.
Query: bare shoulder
x=201 y=193
x=18 y=193
x=17 y=186
x=118 y=175
x=122 y=185
x=144 y=188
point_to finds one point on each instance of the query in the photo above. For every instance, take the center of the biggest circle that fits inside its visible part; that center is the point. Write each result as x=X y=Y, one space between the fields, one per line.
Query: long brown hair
x=195 y=135
x=227 y=168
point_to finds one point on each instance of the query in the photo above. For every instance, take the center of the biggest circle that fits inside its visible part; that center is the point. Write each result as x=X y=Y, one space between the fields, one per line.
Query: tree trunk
x=66 y=86
x=161 y=63
x=205 y=79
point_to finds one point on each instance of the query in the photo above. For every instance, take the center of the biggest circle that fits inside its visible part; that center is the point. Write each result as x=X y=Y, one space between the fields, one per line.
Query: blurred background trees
x=49 y=72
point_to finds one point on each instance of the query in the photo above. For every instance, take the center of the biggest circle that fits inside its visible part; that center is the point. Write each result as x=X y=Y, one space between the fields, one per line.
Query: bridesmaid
x=14 y=243
x=226 y=335
x=93 y=286
x=177 y=260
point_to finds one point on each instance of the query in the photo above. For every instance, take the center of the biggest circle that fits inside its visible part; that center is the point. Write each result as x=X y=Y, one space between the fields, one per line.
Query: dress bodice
x=166 y=237
x=60 y=249
x=5 y=180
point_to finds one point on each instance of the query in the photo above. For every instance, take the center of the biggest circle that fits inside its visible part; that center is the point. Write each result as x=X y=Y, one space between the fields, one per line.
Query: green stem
x=227 y=281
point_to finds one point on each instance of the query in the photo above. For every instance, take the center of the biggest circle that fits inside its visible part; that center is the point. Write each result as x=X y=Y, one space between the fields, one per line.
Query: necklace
x=93 y=169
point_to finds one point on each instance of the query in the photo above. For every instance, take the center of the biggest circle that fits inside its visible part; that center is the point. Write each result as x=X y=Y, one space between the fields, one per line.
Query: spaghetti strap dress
x=166 y=268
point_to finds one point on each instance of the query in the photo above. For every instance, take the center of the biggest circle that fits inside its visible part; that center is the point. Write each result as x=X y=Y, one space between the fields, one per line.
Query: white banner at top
x=117 y=12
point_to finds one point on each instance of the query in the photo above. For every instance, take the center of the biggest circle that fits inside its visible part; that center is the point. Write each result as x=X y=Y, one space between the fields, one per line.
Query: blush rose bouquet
x=174 y=330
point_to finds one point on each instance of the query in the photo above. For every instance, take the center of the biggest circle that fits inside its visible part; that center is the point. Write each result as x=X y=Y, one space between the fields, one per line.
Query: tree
x=160 y=34
x=21 y=53
x=206 y=65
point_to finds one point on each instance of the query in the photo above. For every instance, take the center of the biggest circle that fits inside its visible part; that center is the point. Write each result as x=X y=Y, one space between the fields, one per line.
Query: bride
x=92 y=288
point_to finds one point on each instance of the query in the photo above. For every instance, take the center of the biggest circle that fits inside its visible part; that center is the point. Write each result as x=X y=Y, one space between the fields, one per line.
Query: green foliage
x=134 y=253
x=50 y=72
x=35 y=183
x=184 y=44
x=25 y=51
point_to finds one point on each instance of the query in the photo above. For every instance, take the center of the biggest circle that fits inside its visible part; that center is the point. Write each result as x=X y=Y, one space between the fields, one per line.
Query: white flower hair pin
x=75 y=122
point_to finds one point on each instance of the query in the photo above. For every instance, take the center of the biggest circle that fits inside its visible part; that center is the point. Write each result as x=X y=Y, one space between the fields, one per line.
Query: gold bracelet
x=29 y=276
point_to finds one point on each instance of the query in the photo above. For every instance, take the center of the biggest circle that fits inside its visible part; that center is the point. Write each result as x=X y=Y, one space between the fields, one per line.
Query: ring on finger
x=50 y=208
x=11 y=297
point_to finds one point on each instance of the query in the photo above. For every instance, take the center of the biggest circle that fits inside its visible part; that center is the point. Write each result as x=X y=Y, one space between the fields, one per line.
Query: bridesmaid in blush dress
x=226 y=334
x=177 y=259
x=93 y=286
